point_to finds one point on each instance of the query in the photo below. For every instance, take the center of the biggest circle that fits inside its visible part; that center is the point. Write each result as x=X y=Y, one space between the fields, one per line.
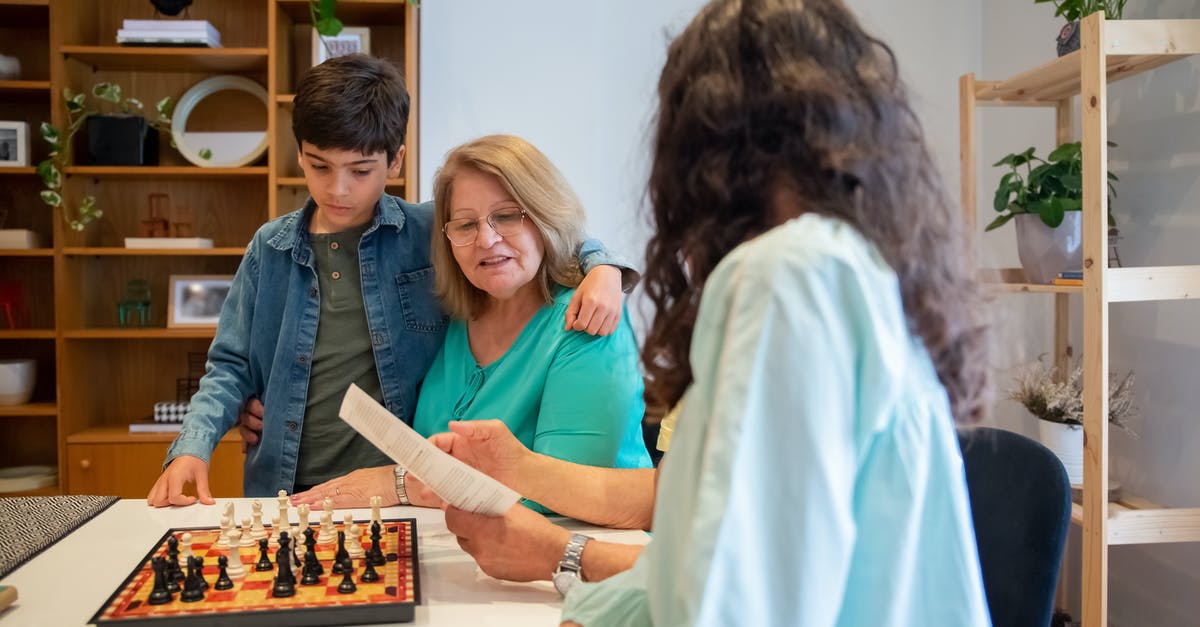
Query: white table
x=68 y=582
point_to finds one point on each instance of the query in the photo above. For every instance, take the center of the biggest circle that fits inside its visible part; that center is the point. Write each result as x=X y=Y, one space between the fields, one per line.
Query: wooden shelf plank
x=29 y=409
x=1134 y=46
x=21 y=171
x=1134 y=520
x=121 y=251
x=117 y=435
x=157 y=171
x=26 y=334
x=25 y=88
x=298 y=181
x=26 y=252
x=168 y=59
x=157 y=333
x=352 y=12
x=1013 y=280
x=1153 y=283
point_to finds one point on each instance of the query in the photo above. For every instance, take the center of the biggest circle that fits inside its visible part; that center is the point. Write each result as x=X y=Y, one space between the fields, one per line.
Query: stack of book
x=1069 y=277
x=193 y=33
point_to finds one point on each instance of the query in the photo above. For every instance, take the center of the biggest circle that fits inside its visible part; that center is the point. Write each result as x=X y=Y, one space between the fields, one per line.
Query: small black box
x=121 y=140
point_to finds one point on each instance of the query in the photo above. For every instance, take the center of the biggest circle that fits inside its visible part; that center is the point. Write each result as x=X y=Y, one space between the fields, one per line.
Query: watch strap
x=401 y=489
x=572 y=559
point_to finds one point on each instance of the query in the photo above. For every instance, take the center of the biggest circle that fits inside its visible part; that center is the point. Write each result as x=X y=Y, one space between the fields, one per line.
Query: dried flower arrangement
x=1048 y=399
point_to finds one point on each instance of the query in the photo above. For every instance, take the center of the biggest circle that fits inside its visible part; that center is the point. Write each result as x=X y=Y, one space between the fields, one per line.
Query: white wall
x=1154 y=119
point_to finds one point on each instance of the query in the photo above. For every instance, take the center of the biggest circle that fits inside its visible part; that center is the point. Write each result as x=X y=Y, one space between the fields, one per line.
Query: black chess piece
x=376 y=552
x=369 y=574
x=160 y=593
x=311 y=572
x=285 y=579
x=192 y=591
x=341 y=554
x=347 y=586
x=201 y=582
x=264 y=557
x=310 y=541
x=223 y=580
x=174 y=570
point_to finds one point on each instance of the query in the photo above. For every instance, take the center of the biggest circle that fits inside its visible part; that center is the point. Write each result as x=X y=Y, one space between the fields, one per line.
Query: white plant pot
x=1066 y=442
x=1044 y=251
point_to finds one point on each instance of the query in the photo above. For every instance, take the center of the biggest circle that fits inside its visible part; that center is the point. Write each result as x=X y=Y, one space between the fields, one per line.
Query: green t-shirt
x=343 y=355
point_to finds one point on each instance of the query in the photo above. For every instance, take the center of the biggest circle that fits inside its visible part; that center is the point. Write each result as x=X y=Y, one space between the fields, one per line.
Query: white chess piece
x=273 y=542
x=283 y=508
x=297 y=541
x=353 y=538
x=302 y=511
x=376 y=501
x=226 y=526
x=229 y=510
x=185 y=548
x=258 y=532
x=246 y=540
x=235 y=569
x=328 y=533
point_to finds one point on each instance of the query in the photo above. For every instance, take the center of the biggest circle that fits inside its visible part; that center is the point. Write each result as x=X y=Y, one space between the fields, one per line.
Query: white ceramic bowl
x=17 y=377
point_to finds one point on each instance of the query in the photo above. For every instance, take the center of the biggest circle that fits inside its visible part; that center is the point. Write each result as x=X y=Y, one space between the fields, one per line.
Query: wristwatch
x=401 y=490
x=570 y=569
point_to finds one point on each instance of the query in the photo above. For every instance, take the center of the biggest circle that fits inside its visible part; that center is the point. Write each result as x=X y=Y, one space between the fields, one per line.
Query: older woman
x=505 y=271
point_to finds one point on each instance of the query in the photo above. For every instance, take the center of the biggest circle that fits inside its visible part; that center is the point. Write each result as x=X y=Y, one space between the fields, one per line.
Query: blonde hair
x=538 y=187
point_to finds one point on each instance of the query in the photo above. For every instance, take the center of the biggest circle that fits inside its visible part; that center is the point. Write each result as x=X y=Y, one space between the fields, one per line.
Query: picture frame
x=14 y=144
x=352 y=39
x=195 y=300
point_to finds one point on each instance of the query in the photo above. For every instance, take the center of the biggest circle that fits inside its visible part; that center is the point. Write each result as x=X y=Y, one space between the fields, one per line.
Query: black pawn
x=311 y=572
x=311 y=543
x=201 y=582
x=347 y=586
x=223 y=580
x=174 y=570
x=376 y=553
x=369 y=574
x=161 y=593
x=264 y=557
x=191 y=588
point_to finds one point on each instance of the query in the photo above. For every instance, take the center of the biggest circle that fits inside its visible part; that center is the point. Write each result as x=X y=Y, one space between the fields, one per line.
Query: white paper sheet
x=457 y=483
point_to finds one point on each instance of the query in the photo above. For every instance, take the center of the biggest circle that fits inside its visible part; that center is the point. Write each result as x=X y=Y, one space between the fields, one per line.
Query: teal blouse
x=562 y=393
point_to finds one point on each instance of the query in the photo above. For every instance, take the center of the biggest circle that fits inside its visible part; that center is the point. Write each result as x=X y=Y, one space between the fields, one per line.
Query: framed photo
x=196 y=300
x=14 y=144
x=352 y=39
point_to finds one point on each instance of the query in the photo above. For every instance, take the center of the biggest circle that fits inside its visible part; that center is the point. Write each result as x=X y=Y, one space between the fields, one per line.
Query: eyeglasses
x=505 y=222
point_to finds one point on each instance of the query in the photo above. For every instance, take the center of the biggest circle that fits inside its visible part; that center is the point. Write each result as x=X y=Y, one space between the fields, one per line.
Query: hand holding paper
x=457 y=483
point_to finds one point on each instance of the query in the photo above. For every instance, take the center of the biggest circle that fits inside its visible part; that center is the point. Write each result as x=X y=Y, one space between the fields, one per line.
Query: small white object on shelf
x=19 y=238
x=17 y=377
x=169 y=33
x=168 y=242
x=23 y=478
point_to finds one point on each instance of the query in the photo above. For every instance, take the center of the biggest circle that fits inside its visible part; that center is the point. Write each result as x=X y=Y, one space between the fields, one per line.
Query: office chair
x=1021 y=507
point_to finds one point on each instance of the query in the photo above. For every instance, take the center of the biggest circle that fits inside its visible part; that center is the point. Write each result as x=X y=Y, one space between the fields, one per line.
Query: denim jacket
x=268 y=328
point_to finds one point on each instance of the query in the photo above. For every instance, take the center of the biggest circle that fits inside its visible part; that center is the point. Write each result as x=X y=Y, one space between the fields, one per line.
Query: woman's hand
x=354 y=489
x=488 y=446
x=596 y=306
x=521 y=545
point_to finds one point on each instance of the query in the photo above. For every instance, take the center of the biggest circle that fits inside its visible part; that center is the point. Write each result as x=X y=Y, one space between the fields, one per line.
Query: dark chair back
x=1021 y=506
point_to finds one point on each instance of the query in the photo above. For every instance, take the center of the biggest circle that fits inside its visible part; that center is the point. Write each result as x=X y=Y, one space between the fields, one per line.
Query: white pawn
x=258 y=532
x=185 y=550
x=283 y=508
x=376 y=501
x=273 y=542
x=353 y=538
x=246 y=540
x=235 y=569
x=226 y=527
x=327 y=533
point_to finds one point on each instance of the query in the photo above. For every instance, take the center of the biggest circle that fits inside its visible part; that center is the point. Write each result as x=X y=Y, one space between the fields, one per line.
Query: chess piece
x=376 y=502
x=264 y=558
x=174 y=570
x=294 y=534
x=223 y=580
x=354 y=539
x=201 y=582
x=327 y=533
x=302 y=511
x=160 y=594
x=285 y=579
x=310 y=543
x=237 y=570
x=342 y=554
x=247 y=538
x=185 y=541
x=347 y=586
x=257 y=531
x=192 y=591
x=226 y=526
x=376 y=553
x=282 y=499
x=369 y=574
x=273 y=541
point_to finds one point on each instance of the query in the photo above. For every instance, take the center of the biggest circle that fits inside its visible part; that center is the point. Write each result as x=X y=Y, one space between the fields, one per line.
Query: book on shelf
x=149 y=426
x=1062 y=281
x=168 y=242
x=1071 y=274
x=184 y=25
x=167 y=38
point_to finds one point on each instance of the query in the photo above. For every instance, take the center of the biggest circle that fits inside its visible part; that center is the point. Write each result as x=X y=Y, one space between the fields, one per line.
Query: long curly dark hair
x=762 y=97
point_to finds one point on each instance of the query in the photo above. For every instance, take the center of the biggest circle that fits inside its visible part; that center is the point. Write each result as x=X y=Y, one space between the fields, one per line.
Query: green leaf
x=134 y=102
x=205 y=154
x=999 y=222
x=50 y=174
x=165 y=108
x=107 y=91
x=50 y=134
x=328 y=26
x=51 y=197
x=1000 y=200
x=1065 y=152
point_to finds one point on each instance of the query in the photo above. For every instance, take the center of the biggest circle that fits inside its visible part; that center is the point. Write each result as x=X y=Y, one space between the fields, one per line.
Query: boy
x=338 y=292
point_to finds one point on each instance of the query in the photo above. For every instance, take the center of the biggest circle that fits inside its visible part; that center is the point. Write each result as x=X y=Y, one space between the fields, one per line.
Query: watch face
x=563 y=580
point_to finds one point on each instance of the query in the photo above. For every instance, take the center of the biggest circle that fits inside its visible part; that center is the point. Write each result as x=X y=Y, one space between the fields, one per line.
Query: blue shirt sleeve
x=593 y=253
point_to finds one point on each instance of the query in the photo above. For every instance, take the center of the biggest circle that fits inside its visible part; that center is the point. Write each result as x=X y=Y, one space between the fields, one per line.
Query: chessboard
x=252 y=599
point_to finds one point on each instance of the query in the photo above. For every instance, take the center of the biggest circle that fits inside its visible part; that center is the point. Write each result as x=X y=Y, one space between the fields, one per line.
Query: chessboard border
x=367 y=614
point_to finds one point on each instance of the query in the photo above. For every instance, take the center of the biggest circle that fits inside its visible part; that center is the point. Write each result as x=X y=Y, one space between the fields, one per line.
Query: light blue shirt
x=814 y=477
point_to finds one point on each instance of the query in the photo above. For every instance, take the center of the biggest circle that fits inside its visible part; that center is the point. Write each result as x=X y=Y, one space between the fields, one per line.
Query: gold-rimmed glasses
x=505 y=222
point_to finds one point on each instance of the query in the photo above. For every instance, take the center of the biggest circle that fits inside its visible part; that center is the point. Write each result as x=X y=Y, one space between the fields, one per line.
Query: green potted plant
x=1075 y=10
x=1058 y=406
x=1045 y=197
x=80 y=110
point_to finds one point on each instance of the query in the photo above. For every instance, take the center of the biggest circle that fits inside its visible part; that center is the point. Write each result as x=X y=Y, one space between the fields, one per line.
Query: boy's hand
x=596 y=306
x=182 y=470
x=250 y=423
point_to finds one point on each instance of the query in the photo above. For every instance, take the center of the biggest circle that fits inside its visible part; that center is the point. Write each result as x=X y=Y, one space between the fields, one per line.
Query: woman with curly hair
x=817 y=337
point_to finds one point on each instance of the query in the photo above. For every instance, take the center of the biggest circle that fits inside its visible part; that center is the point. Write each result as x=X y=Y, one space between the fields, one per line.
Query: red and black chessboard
x=392 y=599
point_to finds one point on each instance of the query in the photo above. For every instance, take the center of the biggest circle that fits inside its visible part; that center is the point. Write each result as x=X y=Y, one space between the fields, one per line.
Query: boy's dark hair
x=352 y=102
